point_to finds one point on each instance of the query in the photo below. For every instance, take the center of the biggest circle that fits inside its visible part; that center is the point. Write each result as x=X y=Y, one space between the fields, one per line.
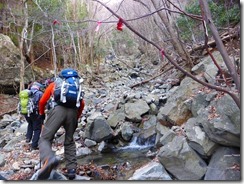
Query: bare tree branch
x=234 y=97
x=187 y=14
x=207 y=17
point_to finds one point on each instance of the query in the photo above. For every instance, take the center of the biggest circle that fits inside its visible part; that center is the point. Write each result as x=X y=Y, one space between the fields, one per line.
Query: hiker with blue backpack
x=68 y=103
x=29 y=107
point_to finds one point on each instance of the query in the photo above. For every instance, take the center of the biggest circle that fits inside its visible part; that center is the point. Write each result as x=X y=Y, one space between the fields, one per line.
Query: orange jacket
x=46 y=96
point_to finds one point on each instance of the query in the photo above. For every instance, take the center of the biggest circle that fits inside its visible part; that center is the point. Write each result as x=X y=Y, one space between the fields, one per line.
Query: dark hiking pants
x=60 y=116
x=33 y=129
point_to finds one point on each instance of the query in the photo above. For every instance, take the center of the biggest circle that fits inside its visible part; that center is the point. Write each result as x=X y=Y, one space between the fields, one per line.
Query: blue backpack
x=68 y=90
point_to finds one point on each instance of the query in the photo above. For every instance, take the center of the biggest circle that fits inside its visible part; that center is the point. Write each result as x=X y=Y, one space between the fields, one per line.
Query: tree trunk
x=173 y=35
x=208 y=19
x=54 y=54
x=21 y=46
x=79 y=49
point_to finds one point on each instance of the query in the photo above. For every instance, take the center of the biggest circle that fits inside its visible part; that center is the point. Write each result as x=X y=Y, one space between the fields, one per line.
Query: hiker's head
x=37 y=86
x=49 y=81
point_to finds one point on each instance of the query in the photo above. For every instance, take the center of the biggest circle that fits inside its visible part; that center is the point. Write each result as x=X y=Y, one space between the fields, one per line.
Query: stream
x=133 y=156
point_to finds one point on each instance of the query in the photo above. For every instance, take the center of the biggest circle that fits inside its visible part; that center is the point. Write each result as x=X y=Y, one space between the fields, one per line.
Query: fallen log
x=224 y=37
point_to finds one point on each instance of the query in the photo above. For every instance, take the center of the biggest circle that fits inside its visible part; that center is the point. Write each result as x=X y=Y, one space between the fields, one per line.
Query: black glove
x=41 y=117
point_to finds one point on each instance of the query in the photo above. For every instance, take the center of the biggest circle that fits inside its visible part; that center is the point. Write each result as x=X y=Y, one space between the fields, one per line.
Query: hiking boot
x=34 y=148
x=71 y=174
x=47 y=167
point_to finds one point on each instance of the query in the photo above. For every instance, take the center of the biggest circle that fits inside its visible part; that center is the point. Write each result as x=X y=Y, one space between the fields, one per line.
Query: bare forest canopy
x=82 y=33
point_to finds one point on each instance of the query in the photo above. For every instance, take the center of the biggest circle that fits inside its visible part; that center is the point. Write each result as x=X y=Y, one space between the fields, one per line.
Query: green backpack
x=26 y=104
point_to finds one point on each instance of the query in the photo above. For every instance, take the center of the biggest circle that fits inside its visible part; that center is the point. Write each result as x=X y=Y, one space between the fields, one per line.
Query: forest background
x=83 y=34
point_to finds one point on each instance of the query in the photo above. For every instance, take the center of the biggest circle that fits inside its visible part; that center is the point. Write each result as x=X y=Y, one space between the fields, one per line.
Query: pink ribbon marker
x=162 y=52
x=98 y=26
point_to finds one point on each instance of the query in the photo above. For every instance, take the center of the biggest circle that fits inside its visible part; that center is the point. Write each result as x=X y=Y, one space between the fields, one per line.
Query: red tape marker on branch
x=120 y=24
x=56 y=22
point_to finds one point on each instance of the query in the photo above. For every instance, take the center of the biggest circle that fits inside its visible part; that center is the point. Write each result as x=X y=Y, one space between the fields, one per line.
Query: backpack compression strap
x=62 y=95
x=78 y=81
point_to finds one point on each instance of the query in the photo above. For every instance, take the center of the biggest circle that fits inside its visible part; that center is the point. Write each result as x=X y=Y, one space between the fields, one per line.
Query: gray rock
x=10 y=146
x=134 y=111
x=153 y=109
x=208 y=68
x=198 y=103
x=198 y=139
x=93 y=116
x=10 y=65
x=221 y=121
x=98 y=130
x=175 y=111
x=152 y=171
x=83 y=151
x=2 y=160
x=167 y=137
x=224 y=165
x=151 y=121
x=54 y=175
x=181 y=160
x=116 y=117
x=147 y=136
x=126 y=132
x=90 y=143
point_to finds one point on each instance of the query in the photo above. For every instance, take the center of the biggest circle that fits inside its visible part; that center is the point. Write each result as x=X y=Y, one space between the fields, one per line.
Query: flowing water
x=133 y=156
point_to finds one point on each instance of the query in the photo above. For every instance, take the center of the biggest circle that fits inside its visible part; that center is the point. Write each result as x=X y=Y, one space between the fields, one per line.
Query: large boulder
x=98 y=130
x=181 y=160
x=198 y=139
x=135 y=110
x=10 y=66
x=221 y=121
x=175 y=111
x=224 y=165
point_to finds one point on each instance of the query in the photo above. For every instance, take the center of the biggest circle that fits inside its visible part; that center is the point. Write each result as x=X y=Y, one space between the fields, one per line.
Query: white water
x=134 y=145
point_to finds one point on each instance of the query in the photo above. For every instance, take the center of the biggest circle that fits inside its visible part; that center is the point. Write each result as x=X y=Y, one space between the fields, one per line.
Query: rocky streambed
x=194 y=131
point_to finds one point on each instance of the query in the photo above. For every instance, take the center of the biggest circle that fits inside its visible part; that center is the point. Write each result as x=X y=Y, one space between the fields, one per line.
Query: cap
x=36 y=86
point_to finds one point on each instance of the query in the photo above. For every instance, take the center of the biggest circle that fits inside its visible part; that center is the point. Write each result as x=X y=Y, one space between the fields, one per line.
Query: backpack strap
x=35 y=99
x=62 y=95
x=79 y=92
x=79 y=81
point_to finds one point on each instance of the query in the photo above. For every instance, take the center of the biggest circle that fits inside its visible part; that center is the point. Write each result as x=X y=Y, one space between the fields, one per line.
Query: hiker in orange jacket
x=57 y=117
x=46 y=96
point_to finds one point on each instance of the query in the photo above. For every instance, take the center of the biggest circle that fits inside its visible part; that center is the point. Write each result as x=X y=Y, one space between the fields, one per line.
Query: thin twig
x=218 y=88
x=148 y=80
